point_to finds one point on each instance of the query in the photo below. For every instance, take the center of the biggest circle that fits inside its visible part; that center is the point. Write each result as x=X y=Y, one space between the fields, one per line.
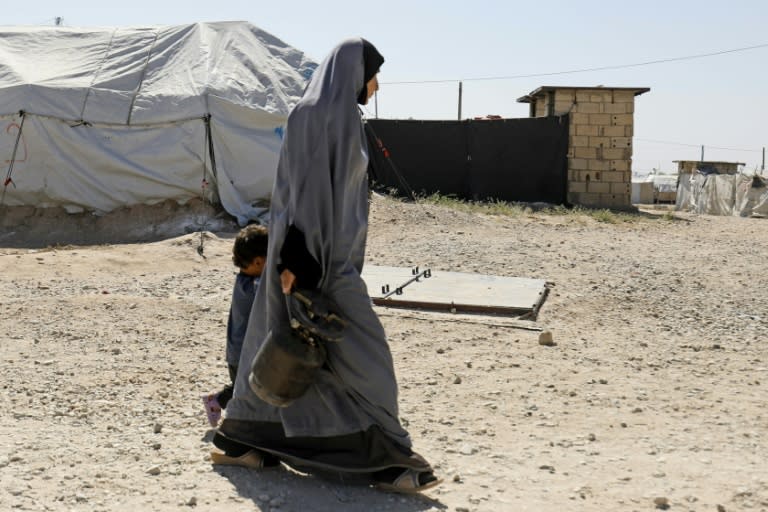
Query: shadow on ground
x=296 y=492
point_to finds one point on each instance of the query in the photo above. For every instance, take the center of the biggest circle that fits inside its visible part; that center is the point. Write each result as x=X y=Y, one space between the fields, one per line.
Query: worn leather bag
x=290 y=357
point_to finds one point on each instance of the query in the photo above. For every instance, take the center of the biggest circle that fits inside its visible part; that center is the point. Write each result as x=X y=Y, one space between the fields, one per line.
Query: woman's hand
x=287 y=281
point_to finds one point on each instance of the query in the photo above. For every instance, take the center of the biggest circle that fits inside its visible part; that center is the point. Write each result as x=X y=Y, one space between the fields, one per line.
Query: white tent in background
x=98 y=118
x=642 y=190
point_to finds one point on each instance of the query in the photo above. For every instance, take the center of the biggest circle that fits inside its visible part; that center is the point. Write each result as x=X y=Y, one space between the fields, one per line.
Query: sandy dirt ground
x=653 y=397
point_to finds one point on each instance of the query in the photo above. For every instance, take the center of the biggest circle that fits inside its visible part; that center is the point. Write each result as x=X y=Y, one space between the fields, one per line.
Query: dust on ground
x=653 y=396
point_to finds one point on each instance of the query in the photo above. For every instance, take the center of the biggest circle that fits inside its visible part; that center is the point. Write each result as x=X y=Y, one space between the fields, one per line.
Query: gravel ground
x=652 y=397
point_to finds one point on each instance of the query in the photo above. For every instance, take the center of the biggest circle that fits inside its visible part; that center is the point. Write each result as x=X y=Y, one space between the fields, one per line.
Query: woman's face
x=372 y=86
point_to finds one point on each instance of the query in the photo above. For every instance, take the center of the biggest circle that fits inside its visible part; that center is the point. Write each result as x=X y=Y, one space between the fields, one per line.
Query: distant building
x=691 y=166
x=600 y=139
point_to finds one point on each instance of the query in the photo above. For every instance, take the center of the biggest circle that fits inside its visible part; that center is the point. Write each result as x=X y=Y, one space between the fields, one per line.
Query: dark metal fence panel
x=508 y=159
x=431 y=155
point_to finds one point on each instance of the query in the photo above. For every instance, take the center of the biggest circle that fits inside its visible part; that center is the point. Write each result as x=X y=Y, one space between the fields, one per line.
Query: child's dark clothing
x=243 y=294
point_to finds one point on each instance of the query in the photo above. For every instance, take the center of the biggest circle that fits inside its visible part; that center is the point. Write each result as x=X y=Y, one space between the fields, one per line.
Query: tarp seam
x=141 y=80
x=96 y=74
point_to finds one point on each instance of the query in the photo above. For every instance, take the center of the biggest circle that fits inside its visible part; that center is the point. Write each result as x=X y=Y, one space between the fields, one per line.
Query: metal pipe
x=460 y=101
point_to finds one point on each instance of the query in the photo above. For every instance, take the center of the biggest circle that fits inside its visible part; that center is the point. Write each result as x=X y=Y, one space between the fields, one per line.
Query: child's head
x=250 y=250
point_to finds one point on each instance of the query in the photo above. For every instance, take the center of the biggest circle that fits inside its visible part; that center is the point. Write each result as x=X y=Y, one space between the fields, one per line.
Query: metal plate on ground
x=457 y=292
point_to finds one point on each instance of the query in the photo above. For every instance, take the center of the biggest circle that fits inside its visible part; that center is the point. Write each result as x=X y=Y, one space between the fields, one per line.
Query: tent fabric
x=722 y=194
x=117 y=116
x=642 y=192
x=751 y=197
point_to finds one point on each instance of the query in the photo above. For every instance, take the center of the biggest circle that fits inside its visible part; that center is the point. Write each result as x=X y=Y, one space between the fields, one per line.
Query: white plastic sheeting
x=722 y=194
x=642 y=192
x=117 y=116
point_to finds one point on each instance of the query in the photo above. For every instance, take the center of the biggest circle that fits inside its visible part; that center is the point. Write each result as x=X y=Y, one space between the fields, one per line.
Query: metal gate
x=506 y=159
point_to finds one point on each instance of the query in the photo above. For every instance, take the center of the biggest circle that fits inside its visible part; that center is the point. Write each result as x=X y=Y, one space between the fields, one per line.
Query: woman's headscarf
x=372 y=61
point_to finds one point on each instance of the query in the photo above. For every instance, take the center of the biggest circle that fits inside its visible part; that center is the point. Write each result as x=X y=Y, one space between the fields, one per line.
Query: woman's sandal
x=411 y=481
x=250 y=459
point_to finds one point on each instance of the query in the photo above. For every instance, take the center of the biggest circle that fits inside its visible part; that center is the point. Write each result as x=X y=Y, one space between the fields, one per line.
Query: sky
x=720 y=102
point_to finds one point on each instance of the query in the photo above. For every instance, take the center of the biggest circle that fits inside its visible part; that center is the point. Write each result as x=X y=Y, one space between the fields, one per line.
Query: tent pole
x=376 y=104
x=8 y=179
x=763 y=166
x=702 y=152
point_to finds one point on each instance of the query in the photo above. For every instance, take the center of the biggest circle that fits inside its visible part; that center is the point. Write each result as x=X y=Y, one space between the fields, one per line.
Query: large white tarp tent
x=98 y=118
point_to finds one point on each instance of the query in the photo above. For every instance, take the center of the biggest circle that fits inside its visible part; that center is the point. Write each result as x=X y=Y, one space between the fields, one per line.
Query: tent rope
x=207 y=147
x=8 y=179
x=388 y=157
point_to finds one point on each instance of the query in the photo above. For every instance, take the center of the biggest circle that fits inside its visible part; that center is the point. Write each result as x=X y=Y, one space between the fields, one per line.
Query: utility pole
x=459 y=101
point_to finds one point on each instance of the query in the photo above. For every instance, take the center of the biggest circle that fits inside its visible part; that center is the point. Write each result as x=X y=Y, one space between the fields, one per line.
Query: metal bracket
x=399 y=290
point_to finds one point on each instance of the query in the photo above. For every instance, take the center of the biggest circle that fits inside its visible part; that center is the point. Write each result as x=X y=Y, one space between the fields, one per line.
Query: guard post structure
x=691 y=166
x=599 y=139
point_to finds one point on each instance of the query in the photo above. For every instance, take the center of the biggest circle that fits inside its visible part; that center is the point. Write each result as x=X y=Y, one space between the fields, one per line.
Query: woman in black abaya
x=347 y=422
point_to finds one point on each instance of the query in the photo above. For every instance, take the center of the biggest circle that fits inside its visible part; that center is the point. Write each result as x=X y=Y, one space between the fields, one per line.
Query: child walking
x=249 y=254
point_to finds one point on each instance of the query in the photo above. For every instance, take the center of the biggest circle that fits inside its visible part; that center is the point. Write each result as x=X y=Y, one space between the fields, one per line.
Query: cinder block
x=619 y=165
x=578 y=164
x=621 y=201
x=577 y=187
x=587 y=108
x=620 y=188
x=629 y=131
x=599 y=187
x=585 y=152
x=604 y=201
x=621 y=142
x=577 y=118
x=623 y=96
x=583 y=96
x=586 y=129
x=598 y=165
x=615 y=108
x=614 y=177
x=589 y=199
x=620 y=119
x=600 y=119
x=577 y=141
x=614 y=131
x=616 y=154
x=601 y=97
x=600 y=142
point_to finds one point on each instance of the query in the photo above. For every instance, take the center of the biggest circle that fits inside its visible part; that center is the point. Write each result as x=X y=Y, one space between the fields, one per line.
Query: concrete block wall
x=600 y=142
x=600 y=145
